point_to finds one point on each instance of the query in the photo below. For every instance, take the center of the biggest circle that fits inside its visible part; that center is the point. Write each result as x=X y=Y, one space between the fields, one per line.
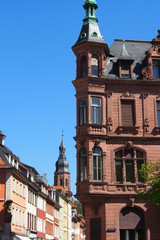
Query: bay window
x=97 y=164
x=96 y=110
x=82 y=111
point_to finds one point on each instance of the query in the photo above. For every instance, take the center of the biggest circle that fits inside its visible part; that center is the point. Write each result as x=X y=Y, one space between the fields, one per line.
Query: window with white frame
x=83 y=164
x=95 y=66
x=156 y=68
x=14 y=185
x=82 y=111
x=96 y=110
x=21 y=188
x=24 y=192
x=13 y=215
x=17 y=191
x=97 y=164
x=17 y=216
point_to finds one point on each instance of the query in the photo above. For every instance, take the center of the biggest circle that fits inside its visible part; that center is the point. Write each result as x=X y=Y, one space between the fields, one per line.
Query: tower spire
x=90 y=6
x=62 y=175
x=90 y=30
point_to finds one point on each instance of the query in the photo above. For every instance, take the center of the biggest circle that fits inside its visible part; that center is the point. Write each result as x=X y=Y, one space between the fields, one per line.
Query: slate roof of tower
x=88 y=32
x=136 y=51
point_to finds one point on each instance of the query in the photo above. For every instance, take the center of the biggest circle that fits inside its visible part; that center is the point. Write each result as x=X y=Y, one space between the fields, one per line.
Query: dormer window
x=94 y=66
x=84 y=70
x=156 y=68
x=125 y=69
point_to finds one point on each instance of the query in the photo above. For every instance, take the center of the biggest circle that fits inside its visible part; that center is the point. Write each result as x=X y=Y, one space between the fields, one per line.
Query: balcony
x=105 y=188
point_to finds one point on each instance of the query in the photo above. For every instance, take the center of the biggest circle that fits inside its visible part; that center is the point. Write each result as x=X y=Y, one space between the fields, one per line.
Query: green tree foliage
x=151 y=175
x=79 y=207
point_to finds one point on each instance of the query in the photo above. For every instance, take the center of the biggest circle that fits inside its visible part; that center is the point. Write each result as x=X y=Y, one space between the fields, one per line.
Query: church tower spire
x=62 y=175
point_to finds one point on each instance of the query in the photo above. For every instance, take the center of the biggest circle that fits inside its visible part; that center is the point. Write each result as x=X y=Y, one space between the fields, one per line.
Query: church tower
x=117 y=130
x=62 y=175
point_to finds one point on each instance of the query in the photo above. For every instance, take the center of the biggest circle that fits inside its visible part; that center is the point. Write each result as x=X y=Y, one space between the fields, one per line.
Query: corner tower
x=62 y=175
x=90 y=48
x=91 y=52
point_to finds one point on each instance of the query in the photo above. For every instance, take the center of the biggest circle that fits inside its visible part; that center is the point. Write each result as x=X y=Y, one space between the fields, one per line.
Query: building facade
x=117 y=130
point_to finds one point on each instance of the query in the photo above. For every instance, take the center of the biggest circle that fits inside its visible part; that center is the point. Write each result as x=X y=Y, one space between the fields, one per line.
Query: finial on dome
x=124 y=47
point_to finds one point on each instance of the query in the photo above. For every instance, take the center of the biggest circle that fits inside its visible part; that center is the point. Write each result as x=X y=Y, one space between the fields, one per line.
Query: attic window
x=94 y=34
x=156 y=68
x=83 y=35
x=125 y=69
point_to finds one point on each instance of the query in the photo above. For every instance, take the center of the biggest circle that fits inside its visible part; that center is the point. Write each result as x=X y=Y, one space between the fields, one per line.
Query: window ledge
x=128 y=129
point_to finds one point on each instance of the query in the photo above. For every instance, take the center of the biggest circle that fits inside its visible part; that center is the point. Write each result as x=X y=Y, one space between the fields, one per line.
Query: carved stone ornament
x=132 y=200
x=109 y=124
x=108 y=94
x=96 y=143
x=158 y=36
x=145 y=72
x=128 y=145
x=158 y=97
x=127 y=95
x=144 y=95
x=82 y=143
x=90 y=177
x=146 y=125
x=90 y=187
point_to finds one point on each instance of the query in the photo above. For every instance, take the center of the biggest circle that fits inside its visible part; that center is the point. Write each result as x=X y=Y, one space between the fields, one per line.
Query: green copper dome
x=90 y=7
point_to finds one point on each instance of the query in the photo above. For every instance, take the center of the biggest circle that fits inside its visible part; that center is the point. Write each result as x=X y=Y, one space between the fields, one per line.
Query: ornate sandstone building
x=118 y=129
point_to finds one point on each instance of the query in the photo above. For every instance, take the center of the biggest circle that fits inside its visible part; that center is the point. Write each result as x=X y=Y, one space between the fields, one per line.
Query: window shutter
x=125 y=68
x=127 y=113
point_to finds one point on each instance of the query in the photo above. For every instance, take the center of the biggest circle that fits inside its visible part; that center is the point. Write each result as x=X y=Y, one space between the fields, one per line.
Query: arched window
x=84 y=70
x=94 y=66
x=131 y=224
x=61 y=184
x=82 y=111
x=66 y=182
x=97 y=163
x=130 y=161
x=83 y=164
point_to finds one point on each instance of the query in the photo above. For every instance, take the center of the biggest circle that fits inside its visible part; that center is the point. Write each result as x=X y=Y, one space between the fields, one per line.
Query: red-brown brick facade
x=118 y=129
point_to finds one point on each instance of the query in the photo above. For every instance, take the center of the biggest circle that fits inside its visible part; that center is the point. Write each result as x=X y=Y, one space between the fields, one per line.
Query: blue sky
x=37 y=66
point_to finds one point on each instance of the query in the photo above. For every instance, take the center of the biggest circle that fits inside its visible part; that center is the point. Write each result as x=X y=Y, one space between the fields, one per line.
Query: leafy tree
x=79 y=207
x=151 y=175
